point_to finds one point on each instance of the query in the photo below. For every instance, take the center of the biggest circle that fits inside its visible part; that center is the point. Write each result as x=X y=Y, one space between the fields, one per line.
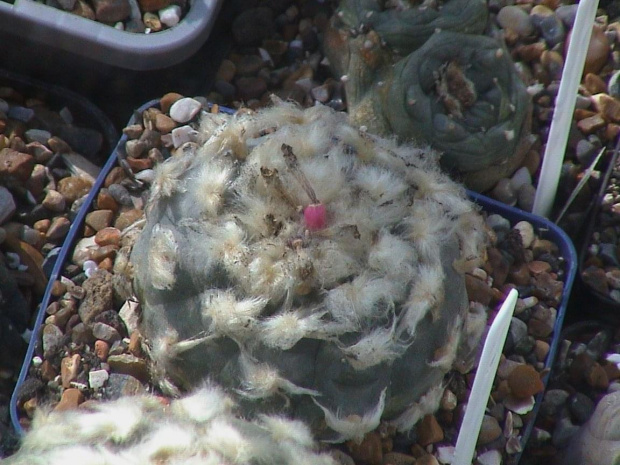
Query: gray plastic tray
x=37 y=23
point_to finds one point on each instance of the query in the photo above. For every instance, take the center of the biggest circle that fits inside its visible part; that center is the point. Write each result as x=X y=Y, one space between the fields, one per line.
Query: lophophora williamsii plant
x=424 y=71
x=199 y=429
x=310 y=268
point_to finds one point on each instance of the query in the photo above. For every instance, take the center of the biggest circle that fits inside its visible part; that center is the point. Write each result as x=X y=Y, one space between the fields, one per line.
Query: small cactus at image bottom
x=309 y=268
x=199 y=429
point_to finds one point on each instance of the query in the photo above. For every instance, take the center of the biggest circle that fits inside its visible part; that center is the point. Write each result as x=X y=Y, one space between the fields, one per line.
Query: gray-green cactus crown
x=309 y=267
x=426 y=73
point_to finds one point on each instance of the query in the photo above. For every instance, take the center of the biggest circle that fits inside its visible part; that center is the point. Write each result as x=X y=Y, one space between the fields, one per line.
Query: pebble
x=429 y=431
x=99 y=296
x=71 y=399
x=185 y=109
x=97 y=378
x=54 y=201
x=490 y=430
x=121 y=385
x=524 y=381
x=69 y=369
x=7 y=205
x=515 y=18
x=581 y=407
x=106 y=333
x=170 y=16
x=52 y=340
x=58 y=229
x=369 y=450
x=15 y=165
x=129 y=365
x=99 y=220
x=73 y=187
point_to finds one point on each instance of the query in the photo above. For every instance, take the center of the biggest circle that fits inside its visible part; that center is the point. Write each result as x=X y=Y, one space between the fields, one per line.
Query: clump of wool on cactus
x=309 y=267
x=200 y=428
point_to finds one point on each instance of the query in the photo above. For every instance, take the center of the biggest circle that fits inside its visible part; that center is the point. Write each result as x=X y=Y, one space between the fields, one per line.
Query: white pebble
x=445 y=454
x=119 y=26
x=146 y=176
x=184 y=109
x=37 y=361
x=490 y=457
x=97 y=378
x=183 y=134
x=613 y=358
x=520 y=406
x=89 y=264
x=170 y=16
x=526 y=230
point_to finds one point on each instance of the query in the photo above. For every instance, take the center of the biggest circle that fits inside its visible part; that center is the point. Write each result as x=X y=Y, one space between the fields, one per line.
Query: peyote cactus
x=199 y=429
x=311 y=268
x=423 y=72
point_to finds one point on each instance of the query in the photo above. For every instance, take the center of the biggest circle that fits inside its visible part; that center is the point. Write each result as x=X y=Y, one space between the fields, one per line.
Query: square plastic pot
x=38 y=25
x=543 y=227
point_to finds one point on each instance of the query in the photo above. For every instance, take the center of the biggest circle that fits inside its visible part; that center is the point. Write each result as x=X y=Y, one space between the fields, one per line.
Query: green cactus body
x=426 y=74
x=341 y=324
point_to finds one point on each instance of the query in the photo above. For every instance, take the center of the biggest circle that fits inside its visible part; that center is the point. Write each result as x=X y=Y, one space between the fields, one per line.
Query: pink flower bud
x=315 y=216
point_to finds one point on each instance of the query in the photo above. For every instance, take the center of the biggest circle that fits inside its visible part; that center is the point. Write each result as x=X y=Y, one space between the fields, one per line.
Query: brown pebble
x=129 y=365
x=105 y=201
x=58 y=229
x=368 y=450
x=490 y=430
x=71 y=399
x=102 y=349
x=167 y=100
x=398 y=458
x=99 y=219
x=54 y=201
x=30 y=407
x=58 y=145
x=108 y=236
x=74 y=187
x=524 y=381
x=591 y=125
x=498 y=266
x=115 y=176
x=597 y=377
x=139 y=164
x=15 y=165
x=427 y=459
x=47 y=371
x=135 y=344
x=581 y=113
x=520 y=274
x=84 y=10
x=30 y=257
x=69 y=369
x=429 y=431
x=127 y=218
x=541 y=350
x=537 y=266
x=101 y=253
x=106 y=264
x=164 y=123
x=532 y=161
x=58 y=288
x=478 y=290
x=42 y=225
x=226 y=71
x=581 y=365
x=607 y=106
x=594 y=84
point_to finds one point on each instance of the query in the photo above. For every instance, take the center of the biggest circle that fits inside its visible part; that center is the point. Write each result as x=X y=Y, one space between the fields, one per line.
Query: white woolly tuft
x=260 y=380
x=163 y=258
x=285 y=429
x=355 y=427
x=166 y=441
x=168 y=177
x=382 y=185
x=209 y=186
x=227 y=315
x=426 y=294
x=284 y=330
x=203 y=405
x=428 y=403
x=377 y=347
x=228 y=441
x=446 y=354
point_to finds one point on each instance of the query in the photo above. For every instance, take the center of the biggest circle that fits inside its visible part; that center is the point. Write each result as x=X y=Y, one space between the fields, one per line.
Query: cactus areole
x=308 y=267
